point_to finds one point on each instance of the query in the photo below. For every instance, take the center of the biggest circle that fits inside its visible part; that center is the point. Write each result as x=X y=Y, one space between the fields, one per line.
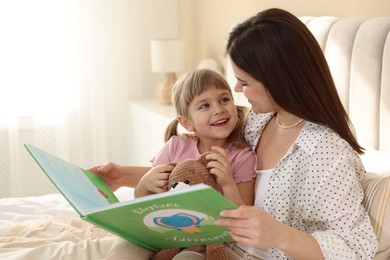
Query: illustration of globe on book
x=178 y=222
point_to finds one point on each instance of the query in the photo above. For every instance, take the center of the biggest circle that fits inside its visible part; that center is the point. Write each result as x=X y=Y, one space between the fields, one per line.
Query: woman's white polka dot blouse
x=316 y=188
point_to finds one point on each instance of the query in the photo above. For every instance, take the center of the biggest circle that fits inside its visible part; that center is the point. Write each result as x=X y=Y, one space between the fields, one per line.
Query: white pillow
x=124 y=193
x=376 y=162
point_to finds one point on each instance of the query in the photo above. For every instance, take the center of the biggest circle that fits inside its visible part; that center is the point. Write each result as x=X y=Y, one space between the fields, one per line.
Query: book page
x=73 y=182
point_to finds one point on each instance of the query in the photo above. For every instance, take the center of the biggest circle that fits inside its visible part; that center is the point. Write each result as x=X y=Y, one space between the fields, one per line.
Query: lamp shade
x=167 y=55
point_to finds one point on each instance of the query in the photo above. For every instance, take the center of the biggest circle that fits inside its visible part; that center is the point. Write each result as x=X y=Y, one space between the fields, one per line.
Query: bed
x=358 y=52
x=47 y=227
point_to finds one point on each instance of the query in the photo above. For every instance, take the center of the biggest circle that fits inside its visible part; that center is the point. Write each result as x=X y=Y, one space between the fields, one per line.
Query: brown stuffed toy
x=190 y=172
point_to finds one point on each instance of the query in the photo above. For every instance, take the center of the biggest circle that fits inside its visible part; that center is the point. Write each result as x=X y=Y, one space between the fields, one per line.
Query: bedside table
x=146 y=123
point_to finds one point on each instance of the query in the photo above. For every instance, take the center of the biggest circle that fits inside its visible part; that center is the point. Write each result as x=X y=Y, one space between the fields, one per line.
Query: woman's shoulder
x=258 y=118
x=321 y=141
x=255 y=124
x=316 y=135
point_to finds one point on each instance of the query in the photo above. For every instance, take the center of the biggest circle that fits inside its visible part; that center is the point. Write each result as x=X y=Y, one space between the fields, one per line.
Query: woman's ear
x=186 y=123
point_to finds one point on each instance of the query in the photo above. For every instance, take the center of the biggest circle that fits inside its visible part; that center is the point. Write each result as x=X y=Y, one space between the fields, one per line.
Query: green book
x=173 y=219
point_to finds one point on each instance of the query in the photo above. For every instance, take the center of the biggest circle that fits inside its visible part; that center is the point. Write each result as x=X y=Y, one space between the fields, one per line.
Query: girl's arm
x=117 y=176
x=246 y=190
x=239 y=194
x=154 y=181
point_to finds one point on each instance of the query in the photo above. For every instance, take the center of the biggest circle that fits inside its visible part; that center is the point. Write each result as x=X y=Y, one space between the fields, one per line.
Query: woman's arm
x=331 y=219
x=117 y=176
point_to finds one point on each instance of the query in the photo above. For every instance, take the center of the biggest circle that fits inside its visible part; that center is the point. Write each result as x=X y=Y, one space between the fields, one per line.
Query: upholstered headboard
x=358 y=54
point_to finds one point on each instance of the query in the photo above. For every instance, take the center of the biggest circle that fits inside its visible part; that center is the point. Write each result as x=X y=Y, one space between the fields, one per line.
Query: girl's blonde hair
x=194 y=83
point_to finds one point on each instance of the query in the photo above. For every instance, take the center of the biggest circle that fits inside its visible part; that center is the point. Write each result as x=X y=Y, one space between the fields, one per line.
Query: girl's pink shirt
x=180 y=148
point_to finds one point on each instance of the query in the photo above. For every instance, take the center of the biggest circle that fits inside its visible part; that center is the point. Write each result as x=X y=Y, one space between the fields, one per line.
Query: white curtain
x=65 y=73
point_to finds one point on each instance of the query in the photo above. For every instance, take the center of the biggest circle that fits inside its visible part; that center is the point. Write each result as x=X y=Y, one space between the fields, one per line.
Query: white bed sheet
x=47 y=227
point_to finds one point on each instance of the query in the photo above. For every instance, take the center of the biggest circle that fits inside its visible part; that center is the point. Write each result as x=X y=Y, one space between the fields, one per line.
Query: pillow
x=376 y=161
x=377 y=203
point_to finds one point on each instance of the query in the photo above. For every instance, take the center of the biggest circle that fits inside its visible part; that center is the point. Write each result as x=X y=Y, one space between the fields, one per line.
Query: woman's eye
x=225 y=100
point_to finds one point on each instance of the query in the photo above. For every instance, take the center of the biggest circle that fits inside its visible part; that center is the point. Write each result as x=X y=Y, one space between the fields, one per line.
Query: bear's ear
x=202 y=158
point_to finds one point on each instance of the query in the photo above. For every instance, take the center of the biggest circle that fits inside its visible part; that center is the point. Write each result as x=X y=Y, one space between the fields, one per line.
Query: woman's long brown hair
x=277 y=49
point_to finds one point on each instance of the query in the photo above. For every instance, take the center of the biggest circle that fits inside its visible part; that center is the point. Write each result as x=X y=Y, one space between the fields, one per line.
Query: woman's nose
x=238 y=87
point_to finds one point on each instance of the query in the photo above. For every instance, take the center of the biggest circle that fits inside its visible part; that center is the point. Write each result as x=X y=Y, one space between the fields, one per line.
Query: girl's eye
x=243 y=84
x=204 y=106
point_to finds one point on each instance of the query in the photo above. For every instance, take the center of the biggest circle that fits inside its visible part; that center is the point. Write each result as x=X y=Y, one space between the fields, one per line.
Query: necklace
x=287 y=126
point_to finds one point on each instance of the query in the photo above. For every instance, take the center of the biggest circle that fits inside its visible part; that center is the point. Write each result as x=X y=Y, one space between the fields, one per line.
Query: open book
x=172 y=219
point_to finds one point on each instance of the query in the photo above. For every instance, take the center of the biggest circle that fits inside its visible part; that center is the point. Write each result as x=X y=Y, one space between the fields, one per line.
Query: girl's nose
x=219 y=109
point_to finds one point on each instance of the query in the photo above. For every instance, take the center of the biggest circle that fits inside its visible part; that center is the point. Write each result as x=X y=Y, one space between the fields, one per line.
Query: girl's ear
x=186 y=123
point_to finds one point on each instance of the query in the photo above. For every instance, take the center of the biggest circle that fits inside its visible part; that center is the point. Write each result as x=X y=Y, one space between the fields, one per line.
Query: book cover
x=171 y=219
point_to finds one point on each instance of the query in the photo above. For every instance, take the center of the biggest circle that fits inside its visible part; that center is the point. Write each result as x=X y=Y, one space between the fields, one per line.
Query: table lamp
x=167 y=57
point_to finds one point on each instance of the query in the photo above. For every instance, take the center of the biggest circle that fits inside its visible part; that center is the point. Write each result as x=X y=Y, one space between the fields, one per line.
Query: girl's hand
x=219 y=166
x=154 y=181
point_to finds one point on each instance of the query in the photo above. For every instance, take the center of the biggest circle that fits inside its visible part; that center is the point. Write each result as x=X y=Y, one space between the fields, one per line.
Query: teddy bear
x=187 y=173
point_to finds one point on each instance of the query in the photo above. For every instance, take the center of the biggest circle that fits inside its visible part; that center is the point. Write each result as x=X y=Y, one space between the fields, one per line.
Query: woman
x=308 y=193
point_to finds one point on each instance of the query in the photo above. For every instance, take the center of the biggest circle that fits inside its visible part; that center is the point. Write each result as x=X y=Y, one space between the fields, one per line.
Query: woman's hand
x=255 y=227
x=252 y=226
x=113 y=174
x=154 y=181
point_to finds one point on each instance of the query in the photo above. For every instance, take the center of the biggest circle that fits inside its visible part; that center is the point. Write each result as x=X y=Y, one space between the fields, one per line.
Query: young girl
x=205 y=108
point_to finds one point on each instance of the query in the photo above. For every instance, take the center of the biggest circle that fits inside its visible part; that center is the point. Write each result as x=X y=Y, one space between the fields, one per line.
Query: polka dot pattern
x=316 y=188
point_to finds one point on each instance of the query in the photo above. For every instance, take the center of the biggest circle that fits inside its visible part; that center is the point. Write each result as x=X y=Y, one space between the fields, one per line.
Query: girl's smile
x=212 y=115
